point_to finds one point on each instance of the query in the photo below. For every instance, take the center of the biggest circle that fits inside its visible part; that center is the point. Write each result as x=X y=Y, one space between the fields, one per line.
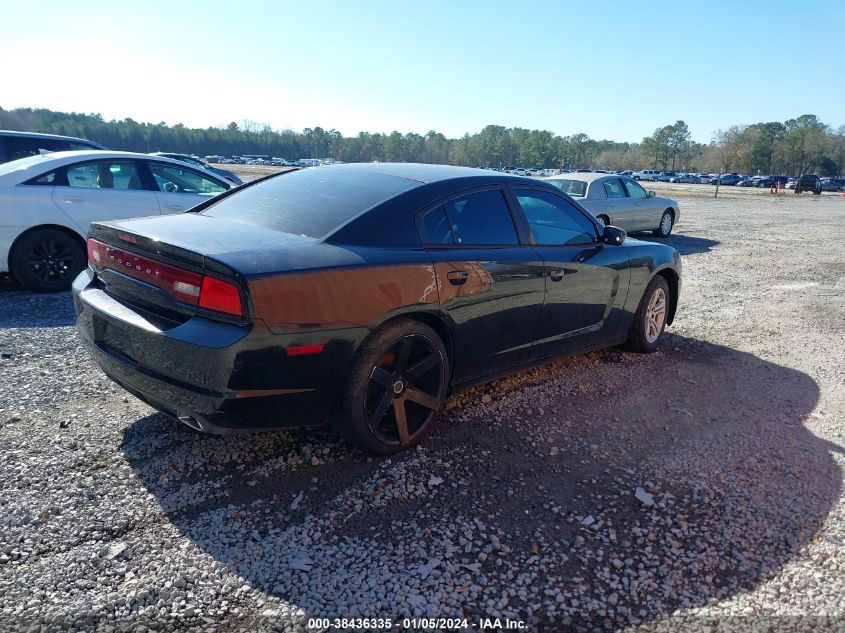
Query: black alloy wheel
x=47 y=260
x=396 y=388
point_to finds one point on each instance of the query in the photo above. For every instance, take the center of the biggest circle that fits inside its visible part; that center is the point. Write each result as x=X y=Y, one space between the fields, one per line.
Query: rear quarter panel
x=646 y=260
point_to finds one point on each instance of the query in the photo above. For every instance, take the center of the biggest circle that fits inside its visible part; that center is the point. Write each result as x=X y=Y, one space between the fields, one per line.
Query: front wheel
x=603 y=220
x=650 y=320
x=396 y=388
x=47 y=260
x=664 y=229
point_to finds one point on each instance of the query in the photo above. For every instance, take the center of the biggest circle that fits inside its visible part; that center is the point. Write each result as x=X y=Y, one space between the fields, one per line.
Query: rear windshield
x=310 y=202
x=575 y=188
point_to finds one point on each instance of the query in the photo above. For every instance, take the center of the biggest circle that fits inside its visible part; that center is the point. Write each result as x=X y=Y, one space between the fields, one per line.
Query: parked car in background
x=686 y=178
x=726 y=179
x=311 y=293
x=15 y=145
x=790 y=183
x=747 y=182
x=704 y=179
x=665 y=176
x=196 y=162
x=832 y=184
x=808 y=183
x=770 y=181
x=625 y=172
x=645 y=174
x=47 y=204
x=620 y=201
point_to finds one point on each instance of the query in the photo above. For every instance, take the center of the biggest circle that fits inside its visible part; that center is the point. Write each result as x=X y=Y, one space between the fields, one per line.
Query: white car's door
x=104 y=190
x=181 y=188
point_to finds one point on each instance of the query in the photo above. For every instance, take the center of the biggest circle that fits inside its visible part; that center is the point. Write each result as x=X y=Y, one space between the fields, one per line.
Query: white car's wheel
x=603 y=220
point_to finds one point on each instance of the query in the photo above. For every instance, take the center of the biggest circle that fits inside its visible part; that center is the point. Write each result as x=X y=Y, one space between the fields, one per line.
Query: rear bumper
x=217 y=377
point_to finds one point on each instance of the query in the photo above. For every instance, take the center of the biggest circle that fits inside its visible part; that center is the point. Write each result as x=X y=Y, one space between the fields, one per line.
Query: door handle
x=74 y=199
x=457 y=277
x=555 y=275
x=174 y=207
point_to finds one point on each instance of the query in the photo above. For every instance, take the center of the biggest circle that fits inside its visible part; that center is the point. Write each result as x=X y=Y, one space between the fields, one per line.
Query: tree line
x=801 y=145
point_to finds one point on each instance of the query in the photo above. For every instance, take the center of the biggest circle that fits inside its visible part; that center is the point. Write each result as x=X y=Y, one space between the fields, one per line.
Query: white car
x=646 y=174
x=620 y=201
x=47 y=204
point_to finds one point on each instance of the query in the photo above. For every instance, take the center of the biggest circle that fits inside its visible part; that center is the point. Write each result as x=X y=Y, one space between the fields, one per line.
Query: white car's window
x=105 y=175
x=553 y=220
x=613 y=189
x=634 y=190
x=173 y=179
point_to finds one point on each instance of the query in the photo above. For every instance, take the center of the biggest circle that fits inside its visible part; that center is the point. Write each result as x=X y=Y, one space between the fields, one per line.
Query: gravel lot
x=697 y=488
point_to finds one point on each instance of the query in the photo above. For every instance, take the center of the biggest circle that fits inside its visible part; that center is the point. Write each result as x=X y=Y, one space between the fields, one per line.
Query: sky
x=613 y=70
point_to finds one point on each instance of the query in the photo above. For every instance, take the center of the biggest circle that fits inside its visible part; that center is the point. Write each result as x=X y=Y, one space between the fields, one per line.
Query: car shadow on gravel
x=690 y=245
x=604 y=489
x=33 y=309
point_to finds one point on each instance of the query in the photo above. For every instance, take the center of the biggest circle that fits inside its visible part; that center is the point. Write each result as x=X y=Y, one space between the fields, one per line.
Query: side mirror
x=651 y=193
x=613 y=235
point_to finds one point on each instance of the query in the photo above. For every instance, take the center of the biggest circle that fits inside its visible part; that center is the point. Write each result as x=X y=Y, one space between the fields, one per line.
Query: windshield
x=575 y=188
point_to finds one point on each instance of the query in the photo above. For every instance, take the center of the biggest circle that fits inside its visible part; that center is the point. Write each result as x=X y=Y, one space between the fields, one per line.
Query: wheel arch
x=40 y=227
x=436 y=321
x=672 y=281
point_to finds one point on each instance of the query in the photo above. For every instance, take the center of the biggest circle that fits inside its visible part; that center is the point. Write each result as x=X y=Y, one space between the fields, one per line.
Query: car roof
x=583 y=177
x=420 y=172
x=57 y=137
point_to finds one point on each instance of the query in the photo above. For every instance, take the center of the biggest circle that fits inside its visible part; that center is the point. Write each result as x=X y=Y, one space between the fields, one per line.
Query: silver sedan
x=620 y=201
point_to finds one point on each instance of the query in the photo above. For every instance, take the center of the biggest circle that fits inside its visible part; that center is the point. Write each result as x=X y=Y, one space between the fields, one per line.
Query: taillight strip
x=184 y=286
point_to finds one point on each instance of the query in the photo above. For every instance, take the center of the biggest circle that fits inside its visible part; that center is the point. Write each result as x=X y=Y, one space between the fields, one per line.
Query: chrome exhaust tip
x=190 y=421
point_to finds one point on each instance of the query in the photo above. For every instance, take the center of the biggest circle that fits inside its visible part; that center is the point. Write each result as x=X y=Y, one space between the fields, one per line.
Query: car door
x=642 y=209
x=491 y=286
x=107 y=189
x=180 y=188
x=586 y=280
x=619 y=207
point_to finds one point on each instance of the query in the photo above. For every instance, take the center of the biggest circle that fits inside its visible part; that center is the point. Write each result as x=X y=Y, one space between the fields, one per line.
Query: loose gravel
x=697 y=488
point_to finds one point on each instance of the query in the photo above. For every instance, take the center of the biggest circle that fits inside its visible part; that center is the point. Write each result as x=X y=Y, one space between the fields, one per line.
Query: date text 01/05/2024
x=411 y=624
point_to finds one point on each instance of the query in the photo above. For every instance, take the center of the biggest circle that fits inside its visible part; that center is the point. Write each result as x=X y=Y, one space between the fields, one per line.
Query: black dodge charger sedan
x=362 y=294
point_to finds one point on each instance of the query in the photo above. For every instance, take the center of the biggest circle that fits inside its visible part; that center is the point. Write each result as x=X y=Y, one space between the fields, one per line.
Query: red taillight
x=220 y=296
x=304 y=350
x=183 y=285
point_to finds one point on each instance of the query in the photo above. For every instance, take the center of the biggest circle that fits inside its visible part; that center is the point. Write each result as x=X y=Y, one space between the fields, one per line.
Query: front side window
x=105 y=175
x=174 y=179
x=634 y=190
x=553 y=220
x=613 y=189
x=481 y=218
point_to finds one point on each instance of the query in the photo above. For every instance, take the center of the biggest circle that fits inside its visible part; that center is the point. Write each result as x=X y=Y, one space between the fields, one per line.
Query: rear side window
x=310 y=202
x=105 y=175
x=481 y=218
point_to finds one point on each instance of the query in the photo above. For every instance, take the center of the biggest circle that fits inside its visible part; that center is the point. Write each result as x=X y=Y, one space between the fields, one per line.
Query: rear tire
x=667 y=223
x=649 y=323
x=47 y=260
x=396 y=388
